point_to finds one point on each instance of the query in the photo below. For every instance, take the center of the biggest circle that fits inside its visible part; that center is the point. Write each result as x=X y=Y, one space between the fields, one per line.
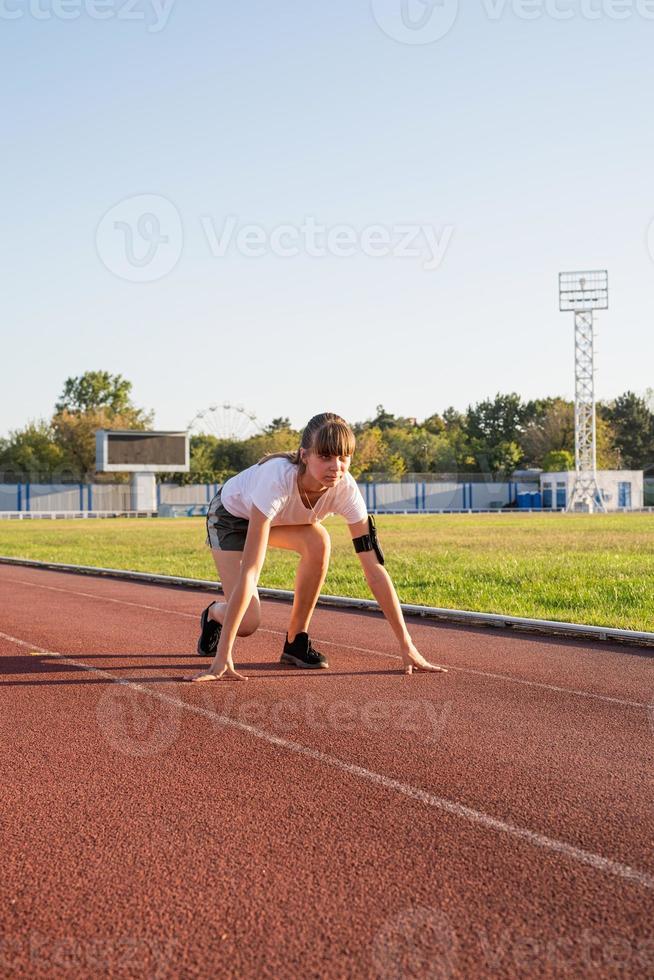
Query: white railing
x=30 y=515
x=421 y=497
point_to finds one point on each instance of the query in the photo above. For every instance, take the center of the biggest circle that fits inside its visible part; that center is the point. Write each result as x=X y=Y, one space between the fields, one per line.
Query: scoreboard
x=134 y=451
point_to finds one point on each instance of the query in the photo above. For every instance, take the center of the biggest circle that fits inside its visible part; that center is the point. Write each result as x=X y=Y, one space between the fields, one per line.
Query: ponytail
x=293 y=457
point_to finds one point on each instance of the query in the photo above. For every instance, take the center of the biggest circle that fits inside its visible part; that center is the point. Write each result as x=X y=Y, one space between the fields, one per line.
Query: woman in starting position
x=281 y=501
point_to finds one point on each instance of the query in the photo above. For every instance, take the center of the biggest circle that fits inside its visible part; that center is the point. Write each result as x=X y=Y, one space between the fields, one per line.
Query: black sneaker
x=300 y=653
x=209 y=635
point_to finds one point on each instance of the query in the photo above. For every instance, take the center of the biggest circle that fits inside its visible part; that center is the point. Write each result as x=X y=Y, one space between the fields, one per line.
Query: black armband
x=369 y=541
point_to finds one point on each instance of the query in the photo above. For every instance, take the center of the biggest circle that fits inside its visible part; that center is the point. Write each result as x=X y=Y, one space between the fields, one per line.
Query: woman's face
x=326 y=470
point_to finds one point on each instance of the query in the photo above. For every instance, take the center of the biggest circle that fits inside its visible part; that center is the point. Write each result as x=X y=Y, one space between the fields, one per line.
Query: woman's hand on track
x=413 y=660
x=227 y=671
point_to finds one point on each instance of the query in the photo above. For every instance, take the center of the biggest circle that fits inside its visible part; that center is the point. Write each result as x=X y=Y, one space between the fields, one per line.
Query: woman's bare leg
x=228 y=565
x=313 y=544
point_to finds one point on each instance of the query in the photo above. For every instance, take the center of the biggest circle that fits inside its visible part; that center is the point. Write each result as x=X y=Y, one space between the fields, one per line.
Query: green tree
x=558 y=461
x=550 y=427
x=608 y=456
x=94 y=400
x=97 y=390
x=497 y=419
x=279 y=441
x=434 y=424
x=453 y=419
x=280 y=424
x=457 y=438
x=632 y=421
x=212 y=460
x=202 y=452
x=536 y=409
x=395 y=465
x=32 y=452
x=494 y=429
x=422 y=451
x=379 y=453
x=500 y=459
x=382 y=420
x=370 y=454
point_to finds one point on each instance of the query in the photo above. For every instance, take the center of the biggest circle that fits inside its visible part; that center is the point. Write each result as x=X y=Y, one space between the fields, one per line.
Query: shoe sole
x=288 y=658
x=203 y=623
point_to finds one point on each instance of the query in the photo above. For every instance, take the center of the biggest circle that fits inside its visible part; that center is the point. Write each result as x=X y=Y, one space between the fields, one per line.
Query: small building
x=620 y=489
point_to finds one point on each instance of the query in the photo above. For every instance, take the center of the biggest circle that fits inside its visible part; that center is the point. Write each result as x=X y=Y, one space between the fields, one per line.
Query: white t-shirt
x=272 y=489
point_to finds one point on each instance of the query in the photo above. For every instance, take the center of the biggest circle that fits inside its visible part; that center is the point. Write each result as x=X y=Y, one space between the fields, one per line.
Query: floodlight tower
x=583 y=293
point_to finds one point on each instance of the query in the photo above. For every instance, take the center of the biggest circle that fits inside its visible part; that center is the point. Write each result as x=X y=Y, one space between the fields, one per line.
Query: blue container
x=524 y=501
x=536 y=500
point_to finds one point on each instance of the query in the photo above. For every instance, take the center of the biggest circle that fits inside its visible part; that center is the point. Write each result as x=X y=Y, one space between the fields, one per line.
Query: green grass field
x=578 y=568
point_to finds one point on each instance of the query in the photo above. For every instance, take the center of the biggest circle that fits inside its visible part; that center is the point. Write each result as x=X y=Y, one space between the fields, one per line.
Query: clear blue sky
x=530 y=140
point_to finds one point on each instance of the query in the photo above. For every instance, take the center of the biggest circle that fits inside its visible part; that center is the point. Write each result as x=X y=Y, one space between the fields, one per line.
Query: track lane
x=248 y=818
x=365 y=847
x=493 y=737
x=574 y=666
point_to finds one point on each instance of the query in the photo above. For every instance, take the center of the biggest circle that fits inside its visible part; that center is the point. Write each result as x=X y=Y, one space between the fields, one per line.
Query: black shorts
x=224 y=531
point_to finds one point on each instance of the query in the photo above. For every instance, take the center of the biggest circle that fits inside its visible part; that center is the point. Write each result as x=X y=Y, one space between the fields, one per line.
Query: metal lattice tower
x=583 y=293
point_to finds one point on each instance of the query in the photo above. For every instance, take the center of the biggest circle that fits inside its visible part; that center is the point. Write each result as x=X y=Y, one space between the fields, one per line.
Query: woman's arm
x=381 y=586
x=254 y=555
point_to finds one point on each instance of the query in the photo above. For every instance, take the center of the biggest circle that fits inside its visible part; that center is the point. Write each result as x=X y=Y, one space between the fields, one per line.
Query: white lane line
x=477 y=817
x=375 y=653
x=552 y=687
x=102 y=598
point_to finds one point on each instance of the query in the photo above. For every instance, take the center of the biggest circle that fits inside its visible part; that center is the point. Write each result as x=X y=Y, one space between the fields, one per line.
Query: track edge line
x=459 y=616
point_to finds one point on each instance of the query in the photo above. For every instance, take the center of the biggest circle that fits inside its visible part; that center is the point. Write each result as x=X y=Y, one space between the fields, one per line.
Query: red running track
x=495 y=821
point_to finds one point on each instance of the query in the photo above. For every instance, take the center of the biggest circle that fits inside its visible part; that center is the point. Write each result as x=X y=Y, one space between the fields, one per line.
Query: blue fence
x=380 y=497
x=63 y=497
x=417 y=496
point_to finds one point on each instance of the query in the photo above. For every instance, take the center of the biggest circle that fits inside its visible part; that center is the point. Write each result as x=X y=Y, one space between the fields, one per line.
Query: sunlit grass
x=580 y=568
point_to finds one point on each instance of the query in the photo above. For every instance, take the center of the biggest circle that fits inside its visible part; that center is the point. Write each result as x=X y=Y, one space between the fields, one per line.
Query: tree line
x=494 y=437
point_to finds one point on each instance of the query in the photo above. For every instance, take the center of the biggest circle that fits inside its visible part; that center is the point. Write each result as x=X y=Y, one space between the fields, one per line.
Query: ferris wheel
x=225 y=421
